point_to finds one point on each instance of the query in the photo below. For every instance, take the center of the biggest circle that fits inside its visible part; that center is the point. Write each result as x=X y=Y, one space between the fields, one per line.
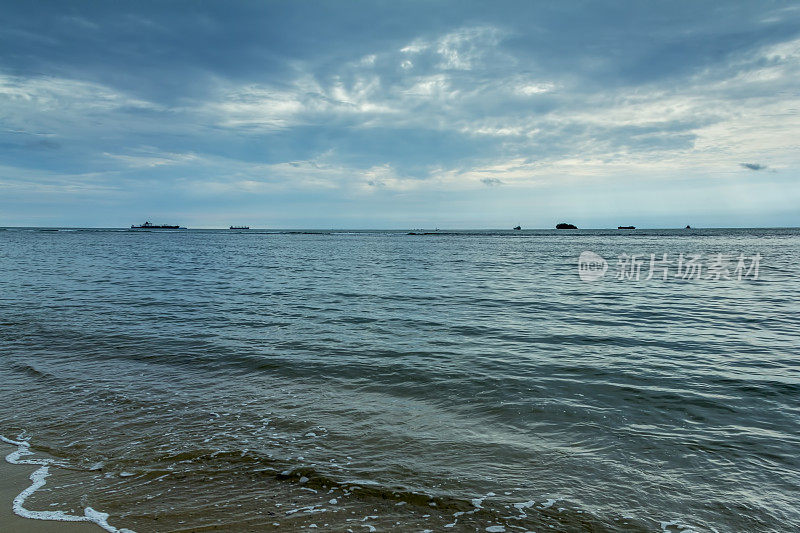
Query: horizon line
x=251 y=228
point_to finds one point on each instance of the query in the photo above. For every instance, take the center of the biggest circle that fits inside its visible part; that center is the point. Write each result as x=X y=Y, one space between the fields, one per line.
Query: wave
x=241 y=468
x=201 y=465
x=38 y=479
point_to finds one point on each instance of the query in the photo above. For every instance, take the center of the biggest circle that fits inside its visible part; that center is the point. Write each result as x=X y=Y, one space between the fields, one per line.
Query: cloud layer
x=380 y=114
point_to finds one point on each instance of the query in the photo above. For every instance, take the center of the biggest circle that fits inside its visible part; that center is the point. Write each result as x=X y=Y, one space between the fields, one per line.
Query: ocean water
x=379 y=381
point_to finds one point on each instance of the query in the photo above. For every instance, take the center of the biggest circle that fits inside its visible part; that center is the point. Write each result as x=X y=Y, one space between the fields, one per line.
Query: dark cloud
x=492 y=182
x=754 y=166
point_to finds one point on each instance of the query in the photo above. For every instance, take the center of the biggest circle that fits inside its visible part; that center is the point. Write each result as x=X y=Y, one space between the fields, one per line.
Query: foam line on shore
x=38 y=481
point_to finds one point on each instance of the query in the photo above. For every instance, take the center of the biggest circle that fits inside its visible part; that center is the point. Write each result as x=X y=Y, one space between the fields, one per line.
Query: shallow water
x=358 y=380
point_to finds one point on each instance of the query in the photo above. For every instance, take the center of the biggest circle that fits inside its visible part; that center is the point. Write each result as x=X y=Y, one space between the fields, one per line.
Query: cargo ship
x=239 y=227
x=150 y=225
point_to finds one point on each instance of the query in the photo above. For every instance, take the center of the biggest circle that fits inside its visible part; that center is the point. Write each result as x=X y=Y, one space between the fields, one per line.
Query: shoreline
x=13 y=480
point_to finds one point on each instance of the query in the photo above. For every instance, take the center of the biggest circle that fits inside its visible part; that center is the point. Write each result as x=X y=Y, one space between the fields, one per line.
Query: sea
x=499 y=381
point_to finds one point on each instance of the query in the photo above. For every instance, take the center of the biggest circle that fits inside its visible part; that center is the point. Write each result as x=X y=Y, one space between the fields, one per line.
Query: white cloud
x=437 y=85
x=465 y=48
x=415 y=47
x=462 y=49
x=150 y=158
x=535 y=88
x=254 y=105
x=43 y=94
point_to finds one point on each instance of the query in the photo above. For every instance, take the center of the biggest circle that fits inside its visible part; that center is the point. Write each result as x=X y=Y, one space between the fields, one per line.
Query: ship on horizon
x=150 y=225
x=239 y=227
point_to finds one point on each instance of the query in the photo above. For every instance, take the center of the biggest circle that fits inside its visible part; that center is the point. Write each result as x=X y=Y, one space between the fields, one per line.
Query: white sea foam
x=548 y=503
x=38 y=481
x=675 y=525
x=524 y=505
x=359 y=482
x=478 y=502
x=307 y=510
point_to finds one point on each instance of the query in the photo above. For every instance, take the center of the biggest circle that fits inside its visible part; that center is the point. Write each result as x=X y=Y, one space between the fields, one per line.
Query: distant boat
x=688 y=226
x=239 y=227
x=517 y=228
x=626 y=227
x=564 y=225
x=149 y=225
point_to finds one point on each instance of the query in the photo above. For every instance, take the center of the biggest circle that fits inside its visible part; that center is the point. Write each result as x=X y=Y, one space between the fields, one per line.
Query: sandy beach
x=13 y=480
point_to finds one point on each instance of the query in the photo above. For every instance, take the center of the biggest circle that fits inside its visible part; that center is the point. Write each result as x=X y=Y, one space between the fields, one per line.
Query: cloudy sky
x=399 y=114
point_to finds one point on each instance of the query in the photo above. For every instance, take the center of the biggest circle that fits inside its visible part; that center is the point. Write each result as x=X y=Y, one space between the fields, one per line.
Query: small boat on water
x=239 y=227
x=517 y=228
x=626 y=227
x=150 y=225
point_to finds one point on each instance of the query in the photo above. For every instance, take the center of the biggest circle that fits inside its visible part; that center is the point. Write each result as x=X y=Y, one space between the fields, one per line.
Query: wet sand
x=13 y=480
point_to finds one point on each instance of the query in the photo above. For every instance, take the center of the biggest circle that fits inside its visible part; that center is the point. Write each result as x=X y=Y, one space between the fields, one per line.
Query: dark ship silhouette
x=150 y=225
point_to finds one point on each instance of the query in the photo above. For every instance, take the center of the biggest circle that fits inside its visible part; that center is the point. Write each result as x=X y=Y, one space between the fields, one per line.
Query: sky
x=401 y=114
